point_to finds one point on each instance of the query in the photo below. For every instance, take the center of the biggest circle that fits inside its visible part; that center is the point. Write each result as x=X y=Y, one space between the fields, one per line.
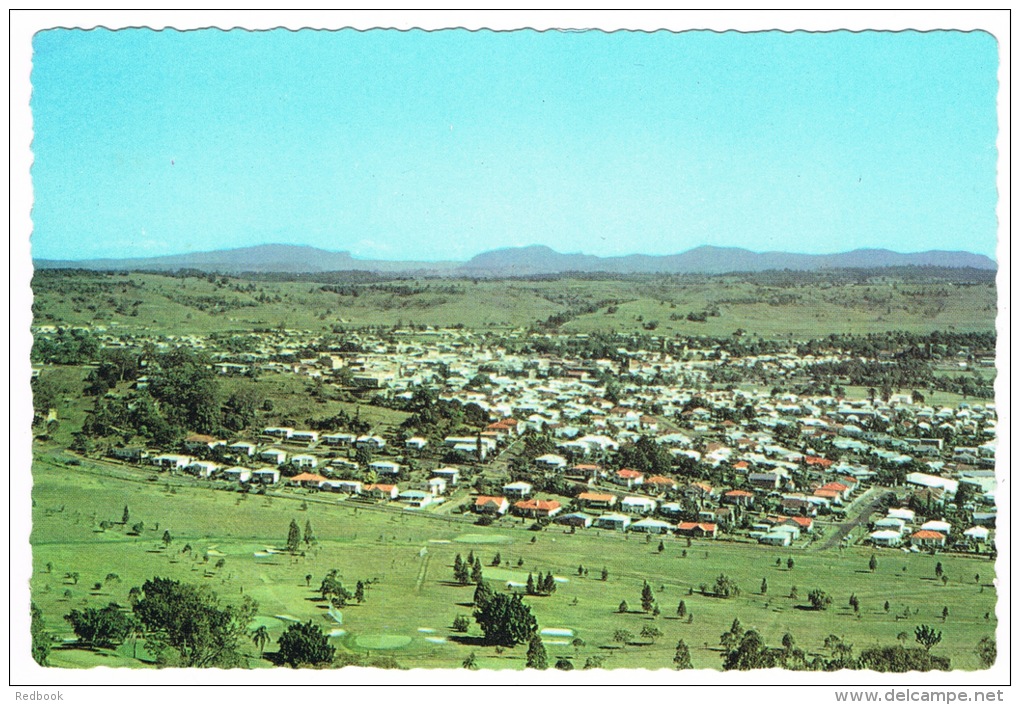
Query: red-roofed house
x=307 y=479
x=491 y=505
x=741 y=498
x=660 y=483
x=928 y=539
x=597 y=500
x=817 y=461
x=537 y=508
x=628 y=477
x=382 y=491
x=696 y=529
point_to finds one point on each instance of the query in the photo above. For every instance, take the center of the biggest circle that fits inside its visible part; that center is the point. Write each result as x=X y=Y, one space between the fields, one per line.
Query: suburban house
x=886 y=537
x=273 y=455
x=242 y=448
x=172 y=462
x=578 y=519
x=237 y=474
x=304 y=461
x=339 y=440
x=943 y=527
x=550 y=461
x=596 y=500
x=776 y=538
x=346 y=486
x=741 y=498
x=281 y=432
x=491 y=505
x=344 y=464
x=199 y=441
x=651 y=526
x=638 y=505
x=628 y=478
x=416 y=499
x=697 y=529
x=451 y=475
x=266 y=476
x=382 y=491
x=203 y=468
x=132 y=454
x=537 y=508
x=517 y=490
x=615 y=522
x=658 y=483
x=384 y=467
x=437 y=485
x=304 y=437
x=928 y=539
x=308 y=480
x=370 y=442
x=415 y=443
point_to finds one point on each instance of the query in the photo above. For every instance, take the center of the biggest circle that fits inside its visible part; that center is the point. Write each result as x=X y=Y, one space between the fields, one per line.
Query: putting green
x=267 y=622
x=382 y=641
x=483 y=538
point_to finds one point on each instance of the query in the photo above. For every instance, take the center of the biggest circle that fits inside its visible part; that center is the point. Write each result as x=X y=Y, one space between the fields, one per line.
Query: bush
x=819 y=599
x=305 y=645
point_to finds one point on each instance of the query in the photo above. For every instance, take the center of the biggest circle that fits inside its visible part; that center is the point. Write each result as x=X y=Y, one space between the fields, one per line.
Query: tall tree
x=305 y=644
x=537 y=658
x=505 y=620
x=682 y=657
x=647 y=597
x=260 y=637
x=927 y=636
x=293 y=537
x=41 y=643
x=187 y=624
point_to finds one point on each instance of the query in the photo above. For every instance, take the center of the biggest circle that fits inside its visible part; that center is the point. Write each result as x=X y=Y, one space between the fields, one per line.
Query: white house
x=237 y=474
x=437 y=485
x=266 y=476
x=370 y=442
x=943 y=527
x=243 y=448
x=638 y=505
x=517 y=489
x=651 y=526
x=172 y=462
x=278 y=432
x=339 y=439
x=304 y=461
x=551 y=461
x=415 y=443
x=304 y=437
x=273 y=455
x=385 y=467
x=451 y=475
x=615 y=522
x=888 y=538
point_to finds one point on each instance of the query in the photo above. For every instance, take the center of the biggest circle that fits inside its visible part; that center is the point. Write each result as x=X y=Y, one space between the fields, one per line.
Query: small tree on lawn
x=651 y=633
x=260 y=637
x=622 y=637
x=681 y=609
x=819 y=599
x=564 y=664
x=987 y=651
x=126 y=516
x=476 y=572
x=873 y=563
x=927 y=636
x=938 y=569
x=682 y=657
x=309 y=536
x=647 y=597
x=537 y=658
x=461 y=623
x=605 y=574
x=359 y=592
x=471 y=662
x=789 y=563
x=764 y=586
x=293 y=536
x=167 y=538
x=623 y=607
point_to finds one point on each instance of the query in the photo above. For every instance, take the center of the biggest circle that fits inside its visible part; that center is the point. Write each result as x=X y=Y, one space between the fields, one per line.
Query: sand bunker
x=557 y=632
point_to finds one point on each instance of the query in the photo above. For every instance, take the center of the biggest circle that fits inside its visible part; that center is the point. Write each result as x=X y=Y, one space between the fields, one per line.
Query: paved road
x=868 y=502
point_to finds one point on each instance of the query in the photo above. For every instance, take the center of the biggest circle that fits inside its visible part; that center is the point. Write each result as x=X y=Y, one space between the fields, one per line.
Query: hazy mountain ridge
x=524 y=261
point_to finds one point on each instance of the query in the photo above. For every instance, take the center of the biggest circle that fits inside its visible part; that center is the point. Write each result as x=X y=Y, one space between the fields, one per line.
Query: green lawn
x=408 y=613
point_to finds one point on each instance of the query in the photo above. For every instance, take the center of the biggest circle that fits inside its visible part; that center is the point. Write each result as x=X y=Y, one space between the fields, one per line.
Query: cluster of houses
x=900 y=528
x=787 y=457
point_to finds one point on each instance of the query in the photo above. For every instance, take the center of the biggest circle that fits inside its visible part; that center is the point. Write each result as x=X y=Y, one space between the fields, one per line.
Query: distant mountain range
x=526 y=261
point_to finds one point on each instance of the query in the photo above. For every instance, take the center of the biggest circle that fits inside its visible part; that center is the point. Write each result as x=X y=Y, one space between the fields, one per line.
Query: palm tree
x=260 y=637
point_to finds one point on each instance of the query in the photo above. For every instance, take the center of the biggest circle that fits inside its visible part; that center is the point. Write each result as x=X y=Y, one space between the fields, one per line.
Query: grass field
x=158 y=304
x=408 y=613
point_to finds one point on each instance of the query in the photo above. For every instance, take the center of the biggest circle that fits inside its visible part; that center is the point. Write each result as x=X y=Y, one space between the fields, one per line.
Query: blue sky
x=439 y=145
